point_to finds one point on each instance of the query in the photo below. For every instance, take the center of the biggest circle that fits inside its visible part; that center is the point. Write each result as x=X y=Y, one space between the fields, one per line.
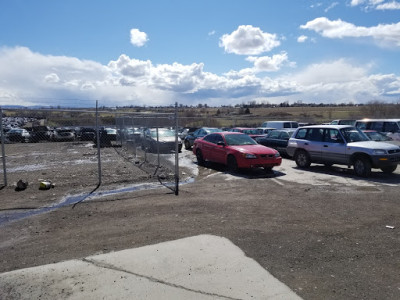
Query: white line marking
x=277 y=181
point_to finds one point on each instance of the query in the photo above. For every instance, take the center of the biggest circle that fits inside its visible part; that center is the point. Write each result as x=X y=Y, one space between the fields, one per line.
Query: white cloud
x=26 y=76
x=316 y=5
x=333 y=5
x=376 y=4
x=138 y=38
x=51 y=78
x=248 y=40
x=302 y=38
x=338 y=71
x=387 y=35
x=267 y=63
x=212 y=33
x=340 y=81
x=356 y=2
x=394 y=5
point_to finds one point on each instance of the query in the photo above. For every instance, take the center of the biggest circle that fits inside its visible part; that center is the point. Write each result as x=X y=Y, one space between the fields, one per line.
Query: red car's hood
x=254 y=149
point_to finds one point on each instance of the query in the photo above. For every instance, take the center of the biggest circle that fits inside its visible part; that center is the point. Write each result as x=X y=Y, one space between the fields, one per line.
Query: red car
x=236 y=150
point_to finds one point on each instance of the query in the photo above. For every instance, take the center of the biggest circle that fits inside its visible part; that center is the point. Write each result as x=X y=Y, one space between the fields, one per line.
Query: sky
x=215 y=52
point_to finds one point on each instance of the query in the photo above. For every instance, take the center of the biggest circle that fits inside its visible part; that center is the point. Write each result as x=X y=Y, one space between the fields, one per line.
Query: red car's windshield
x=239 y=139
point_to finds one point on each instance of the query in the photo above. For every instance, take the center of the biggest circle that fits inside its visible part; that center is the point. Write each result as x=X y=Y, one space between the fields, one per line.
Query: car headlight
x=248 y=155
x=379 y=152
x=277 y=154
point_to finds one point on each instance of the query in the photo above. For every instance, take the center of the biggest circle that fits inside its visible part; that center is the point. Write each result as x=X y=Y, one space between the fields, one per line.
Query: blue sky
x=219 y=52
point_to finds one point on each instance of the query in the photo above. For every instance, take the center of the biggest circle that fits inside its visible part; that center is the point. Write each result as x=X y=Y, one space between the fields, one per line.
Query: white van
x=280 y=124
x=390 y=127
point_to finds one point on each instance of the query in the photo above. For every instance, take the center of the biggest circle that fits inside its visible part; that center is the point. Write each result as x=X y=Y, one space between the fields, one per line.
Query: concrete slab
x=200 y=267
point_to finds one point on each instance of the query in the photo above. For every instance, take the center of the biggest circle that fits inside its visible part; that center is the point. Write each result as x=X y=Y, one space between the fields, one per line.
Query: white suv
x=344 y=145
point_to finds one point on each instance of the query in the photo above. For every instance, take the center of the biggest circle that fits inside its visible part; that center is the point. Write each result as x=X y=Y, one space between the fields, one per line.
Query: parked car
x=40 y=133
x=391 y=127
x=186 y=131
x=18 y=135
x=105 y=140
x=87 y=134
x=235 y=150
x=380 y=137
x=165 y=142
x=280 y=124
x=111 y=133
x=343 y=122
x=201 y=132
x=252 y=132
x=344 y=145
x=277 y=139
x=264 y=130
x=63 y=135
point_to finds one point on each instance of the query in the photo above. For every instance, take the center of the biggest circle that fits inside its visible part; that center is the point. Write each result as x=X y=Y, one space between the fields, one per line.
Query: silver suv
x=344 y=145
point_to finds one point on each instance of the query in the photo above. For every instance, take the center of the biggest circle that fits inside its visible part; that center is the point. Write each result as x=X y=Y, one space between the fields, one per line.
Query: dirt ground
x=323 y=241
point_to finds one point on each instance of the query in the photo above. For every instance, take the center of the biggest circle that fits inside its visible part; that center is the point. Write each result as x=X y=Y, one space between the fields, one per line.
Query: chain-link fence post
x=98 y=142
x=3 y=152
x=176 y=151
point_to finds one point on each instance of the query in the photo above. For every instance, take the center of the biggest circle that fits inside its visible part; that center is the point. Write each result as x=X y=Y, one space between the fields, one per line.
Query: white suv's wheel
x=302 y=159
x=362 y=167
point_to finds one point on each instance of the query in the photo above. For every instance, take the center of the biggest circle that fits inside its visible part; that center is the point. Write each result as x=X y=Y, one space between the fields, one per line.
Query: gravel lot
x=324 y=232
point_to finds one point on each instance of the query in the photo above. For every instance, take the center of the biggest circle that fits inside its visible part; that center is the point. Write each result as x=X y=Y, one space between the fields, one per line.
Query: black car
x=201 y=132
x=186 y=131
x=277 y=139
x=87 y=134
x=40 y=133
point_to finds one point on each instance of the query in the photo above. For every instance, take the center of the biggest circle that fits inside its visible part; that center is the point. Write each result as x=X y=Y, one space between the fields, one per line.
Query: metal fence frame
x=153 y=120
x=172 y=117
x=3 y=152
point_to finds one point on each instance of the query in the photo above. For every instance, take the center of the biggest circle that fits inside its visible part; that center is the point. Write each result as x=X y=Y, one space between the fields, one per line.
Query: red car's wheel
x=200 y=159
x=232 y=164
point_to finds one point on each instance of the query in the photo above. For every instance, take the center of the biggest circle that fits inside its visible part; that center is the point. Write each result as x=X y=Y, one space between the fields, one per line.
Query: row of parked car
x=45 y=133
x=352 y=145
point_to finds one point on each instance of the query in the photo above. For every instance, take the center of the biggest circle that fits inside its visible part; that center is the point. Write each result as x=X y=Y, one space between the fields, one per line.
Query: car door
x=211 y=150
x=219 y=149
x=313 y=143
x=282 y=141
x=272 y=139
x=207 y=147
x=333 y=150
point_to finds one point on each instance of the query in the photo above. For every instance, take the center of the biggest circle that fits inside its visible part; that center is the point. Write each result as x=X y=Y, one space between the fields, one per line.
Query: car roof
x=328 y=126
x=378 y=120
x=244 y=128
x=228 y=133
x=286 y=129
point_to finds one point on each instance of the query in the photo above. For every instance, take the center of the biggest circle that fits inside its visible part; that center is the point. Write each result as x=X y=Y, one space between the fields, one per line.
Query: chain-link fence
x=153 y=140
x=88 y=148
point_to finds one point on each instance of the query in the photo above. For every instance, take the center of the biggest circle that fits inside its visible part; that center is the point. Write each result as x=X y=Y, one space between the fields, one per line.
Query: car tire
x=389 y=169
x=268 y=170
x=362 y=167
x=187 y=145
x=302 y=159
x=200 y=159
x=232 y=164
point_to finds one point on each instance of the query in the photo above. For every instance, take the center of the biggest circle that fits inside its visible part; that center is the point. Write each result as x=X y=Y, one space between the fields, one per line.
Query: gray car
x=344 y=145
